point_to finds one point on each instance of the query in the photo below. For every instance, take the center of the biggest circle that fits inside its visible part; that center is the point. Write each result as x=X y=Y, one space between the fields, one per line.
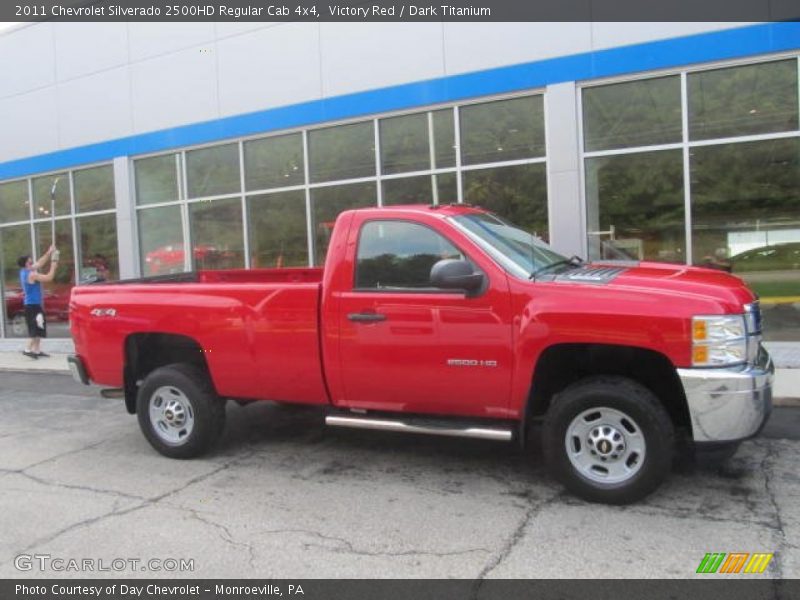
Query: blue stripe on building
x=677 y=52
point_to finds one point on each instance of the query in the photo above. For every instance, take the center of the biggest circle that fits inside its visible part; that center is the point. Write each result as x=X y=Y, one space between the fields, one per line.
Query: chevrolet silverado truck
x=444 y=320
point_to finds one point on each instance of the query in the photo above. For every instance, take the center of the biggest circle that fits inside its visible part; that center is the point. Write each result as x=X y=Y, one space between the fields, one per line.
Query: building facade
x=159 y=148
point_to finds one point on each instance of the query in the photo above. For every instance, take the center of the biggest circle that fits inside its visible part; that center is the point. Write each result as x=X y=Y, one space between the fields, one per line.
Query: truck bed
x=258 y=329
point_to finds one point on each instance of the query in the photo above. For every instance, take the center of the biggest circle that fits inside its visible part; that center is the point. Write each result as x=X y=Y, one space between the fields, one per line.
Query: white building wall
x=95 y=107
x=66 y=85
x=176 y=88
x=361 y=56
x=88 y=48
x=269 y=67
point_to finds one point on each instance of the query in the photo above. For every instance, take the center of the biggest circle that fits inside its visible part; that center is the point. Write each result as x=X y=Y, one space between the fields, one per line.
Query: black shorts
x=37 y=326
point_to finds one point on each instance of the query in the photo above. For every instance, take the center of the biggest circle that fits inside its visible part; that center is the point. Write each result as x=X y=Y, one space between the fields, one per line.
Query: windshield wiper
x=574 y=261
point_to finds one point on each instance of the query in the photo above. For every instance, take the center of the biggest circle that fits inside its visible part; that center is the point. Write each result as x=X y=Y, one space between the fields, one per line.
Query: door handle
x=366 y=317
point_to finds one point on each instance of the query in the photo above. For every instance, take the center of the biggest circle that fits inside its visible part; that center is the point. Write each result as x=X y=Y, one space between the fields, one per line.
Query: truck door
x=405 y=346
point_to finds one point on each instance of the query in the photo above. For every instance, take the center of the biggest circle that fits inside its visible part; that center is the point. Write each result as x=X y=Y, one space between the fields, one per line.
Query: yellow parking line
x=779 y=299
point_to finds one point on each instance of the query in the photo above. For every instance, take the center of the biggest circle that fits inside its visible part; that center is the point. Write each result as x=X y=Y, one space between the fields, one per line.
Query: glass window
x=56 y=294
x=43 y=188
x=156 y=179
x=278 y=230
x=14 y=205
x=14 y=242
x=408 y=190
x=444 y=140
x=342 y=152
x=746 y=100
x=516 y=250
x=397 y=254
x=213 y=171
x=63 y=241
x=404 y=144
x=94 y=189
x=274 y=162
x=98 y=247
x=502 y=130
x=447 y=188
x=328 y=202
x=634 y=113
x=518 y=194
x=217 y=234
x=746 y=212
x=636 y=206
x=161 y=240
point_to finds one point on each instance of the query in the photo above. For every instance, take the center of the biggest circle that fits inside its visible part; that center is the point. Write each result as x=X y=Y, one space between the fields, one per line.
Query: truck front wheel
x=608 y=439
x=179 y=412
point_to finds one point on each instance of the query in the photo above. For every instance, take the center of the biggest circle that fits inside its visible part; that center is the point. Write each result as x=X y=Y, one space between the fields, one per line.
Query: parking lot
x=283 y=496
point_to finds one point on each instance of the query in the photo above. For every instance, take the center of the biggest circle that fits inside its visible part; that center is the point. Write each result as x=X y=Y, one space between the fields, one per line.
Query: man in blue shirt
x=31 y=281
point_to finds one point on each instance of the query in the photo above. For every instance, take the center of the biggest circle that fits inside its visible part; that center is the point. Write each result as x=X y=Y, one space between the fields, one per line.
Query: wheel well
x=564 y=364
x=145 y=352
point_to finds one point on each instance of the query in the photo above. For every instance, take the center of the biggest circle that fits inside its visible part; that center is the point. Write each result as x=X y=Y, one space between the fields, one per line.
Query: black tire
x=191 y=386
x=645 y=415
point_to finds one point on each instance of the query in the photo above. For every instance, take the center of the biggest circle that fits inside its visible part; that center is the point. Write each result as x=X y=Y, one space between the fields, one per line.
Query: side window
x=398 y=254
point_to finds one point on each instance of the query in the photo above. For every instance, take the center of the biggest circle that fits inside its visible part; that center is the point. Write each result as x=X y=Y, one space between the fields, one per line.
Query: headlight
x=719 y=340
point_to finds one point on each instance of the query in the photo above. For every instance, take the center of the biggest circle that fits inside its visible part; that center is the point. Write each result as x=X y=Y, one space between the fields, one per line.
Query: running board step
x=425 y=425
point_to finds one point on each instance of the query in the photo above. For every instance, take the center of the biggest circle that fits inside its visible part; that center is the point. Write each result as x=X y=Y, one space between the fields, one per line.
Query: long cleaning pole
x=53 y=211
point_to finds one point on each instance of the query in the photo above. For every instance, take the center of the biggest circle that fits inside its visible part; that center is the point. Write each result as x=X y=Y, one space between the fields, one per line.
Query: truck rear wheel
x=179 y=412
x=608 y=439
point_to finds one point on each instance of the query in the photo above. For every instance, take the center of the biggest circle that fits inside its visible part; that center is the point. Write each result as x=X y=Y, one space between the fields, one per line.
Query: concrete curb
x=786 y=402
x=17 y=362
x=48 y=371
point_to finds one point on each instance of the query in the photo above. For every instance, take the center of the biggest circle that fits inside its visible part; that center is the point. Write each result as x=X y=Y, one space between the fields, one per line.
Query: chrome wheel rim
x=605 y=445
x=171 y=415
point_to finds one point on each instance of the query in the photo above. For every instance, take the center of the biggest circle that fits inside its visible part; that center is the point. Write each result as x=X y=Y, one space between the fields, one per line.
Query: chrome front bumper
x=729 y=404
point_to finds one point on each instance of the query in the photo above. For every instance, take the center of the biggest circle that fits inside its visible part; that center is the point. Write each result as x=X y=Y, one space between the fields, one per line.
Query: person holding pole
x=31 y=281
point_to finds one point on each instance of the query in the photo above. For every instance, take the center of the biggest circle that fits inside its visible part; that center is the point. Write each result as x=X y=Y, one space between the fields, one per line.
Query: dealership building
x=159 y=148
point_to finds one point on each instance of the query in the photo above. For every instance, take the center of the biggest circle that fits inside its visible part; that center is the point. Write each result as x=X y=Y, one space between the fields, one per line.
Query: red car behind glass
x=56 y=308
x=169 y=258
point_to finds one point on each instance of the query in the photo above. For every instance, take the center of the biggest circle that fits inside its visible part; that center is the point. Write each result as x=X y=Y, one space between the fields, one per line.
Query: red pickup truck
x=444 y=320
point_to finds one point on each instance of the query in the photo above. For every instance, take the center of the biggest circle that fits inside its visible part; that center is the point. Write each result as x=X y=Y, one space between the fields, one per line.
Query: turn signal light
x=700 y=355
x=699 y=330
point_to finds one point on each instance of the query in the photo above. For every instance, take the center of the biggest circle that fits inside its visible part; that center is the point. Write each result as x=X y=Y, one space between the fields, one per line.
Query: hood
x=665 y=279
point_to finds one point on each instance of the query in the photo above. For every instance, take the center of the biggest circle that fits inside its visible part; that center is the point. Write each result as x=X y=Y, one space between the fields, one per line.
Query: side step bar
x=445 y=427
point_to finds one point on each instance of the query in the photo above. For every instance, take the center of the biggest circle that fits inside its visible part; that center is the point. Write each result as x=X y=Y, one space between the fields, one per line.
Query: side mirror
x=455 y=274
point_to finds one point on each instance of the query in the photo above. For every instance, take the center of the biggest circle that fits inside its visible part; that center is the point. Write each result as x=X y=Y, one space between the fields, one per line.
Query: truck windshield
x=517 y=251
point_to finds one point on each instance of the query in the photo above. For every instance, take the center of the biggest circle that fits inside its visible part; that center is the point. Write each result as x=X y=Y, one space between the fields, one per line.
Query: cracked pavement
x=284 y=497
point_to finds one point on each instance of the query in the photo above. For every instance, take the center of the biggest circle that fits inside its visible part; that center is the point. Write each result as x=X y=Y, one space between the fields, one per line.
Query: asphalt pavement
x=283 y=496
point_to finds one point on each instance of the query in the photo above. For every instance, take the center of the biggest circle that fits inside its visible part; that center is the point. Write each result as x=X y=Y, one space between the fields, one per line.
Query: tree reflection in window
x=746 y=100
x=156 y=179
x=14 y=205
x=634 y=113
x=502 y=130
x=213 y=171
x=341 y=152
